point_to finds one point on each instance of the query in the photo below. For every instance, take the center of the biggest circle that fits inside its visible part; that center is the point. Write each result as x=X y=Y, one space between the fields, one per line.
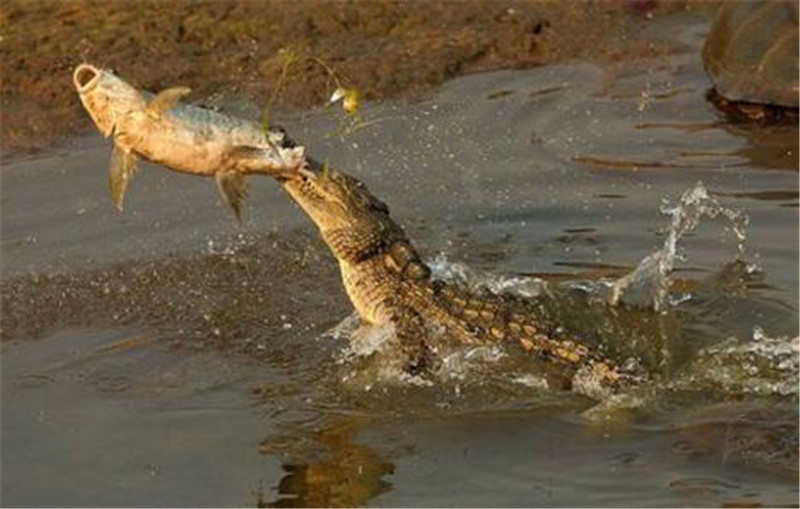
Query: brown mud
x=385 y=49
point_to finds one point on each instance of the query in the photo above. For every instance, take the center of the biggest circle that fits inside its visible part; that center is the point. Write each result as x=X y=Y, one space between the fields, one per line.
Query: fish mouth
x=86 y=77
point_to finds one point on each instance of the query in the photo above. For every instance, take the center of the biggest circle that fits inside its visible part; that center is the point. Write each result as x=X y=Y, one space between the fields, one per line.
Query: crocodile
x=388 y=282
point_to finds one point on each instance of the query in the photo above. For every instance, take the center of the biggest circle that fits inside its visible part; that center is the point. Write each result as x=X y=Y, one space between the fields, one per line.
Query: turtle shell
x=751 y=53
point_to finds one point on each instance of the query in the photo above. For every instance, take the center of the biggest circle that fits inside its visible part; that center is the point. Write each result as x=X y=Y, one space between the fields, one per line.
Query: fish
x=180 y=136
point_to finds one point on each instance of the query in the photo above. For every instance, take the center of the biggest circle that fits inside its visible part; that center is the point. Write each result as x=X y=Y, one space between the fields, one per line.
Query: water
x=648 y=284
x=167 y=357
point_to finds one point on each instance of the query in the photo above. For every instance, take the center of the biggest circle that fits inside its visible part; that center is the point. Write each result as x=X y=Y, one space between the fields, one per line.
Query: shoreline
x=386 y=50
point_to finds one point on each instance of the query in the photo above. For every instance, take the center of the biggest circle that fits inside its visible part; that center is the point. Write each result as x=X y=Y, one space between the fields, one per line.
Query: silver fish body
x=181 y=137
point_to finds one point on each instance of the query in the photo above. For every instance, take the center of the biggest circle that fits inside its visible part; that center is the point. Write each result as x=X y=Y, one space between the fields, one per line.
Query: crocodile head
x=354 y=223
x=372 y=250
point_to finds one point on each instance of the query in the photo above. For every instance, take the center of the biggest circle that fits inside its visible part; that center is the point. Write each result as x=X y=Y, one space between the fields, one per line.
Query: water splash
x=476 y=281
x=230 y=245
x=375 y=348
x=762 y=365
x=460 y=363
x=648 y=284
x=362 y=340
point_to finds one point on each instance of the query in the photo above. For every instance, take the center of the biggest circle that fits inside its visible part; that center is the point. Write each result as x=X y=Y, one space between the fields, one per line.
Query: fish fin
x=166 y=99
x=123 y=167
x=233 y=189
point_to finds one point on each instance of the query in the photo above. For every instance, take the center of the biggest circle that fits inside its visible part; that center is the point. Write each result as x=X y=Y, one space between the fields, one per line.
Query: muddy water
x=166 y=356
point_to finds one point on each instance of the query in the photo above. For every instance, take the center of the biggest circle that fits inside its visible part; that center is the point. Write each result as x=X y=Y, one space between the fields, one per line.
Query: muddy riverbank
x=385 y=49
